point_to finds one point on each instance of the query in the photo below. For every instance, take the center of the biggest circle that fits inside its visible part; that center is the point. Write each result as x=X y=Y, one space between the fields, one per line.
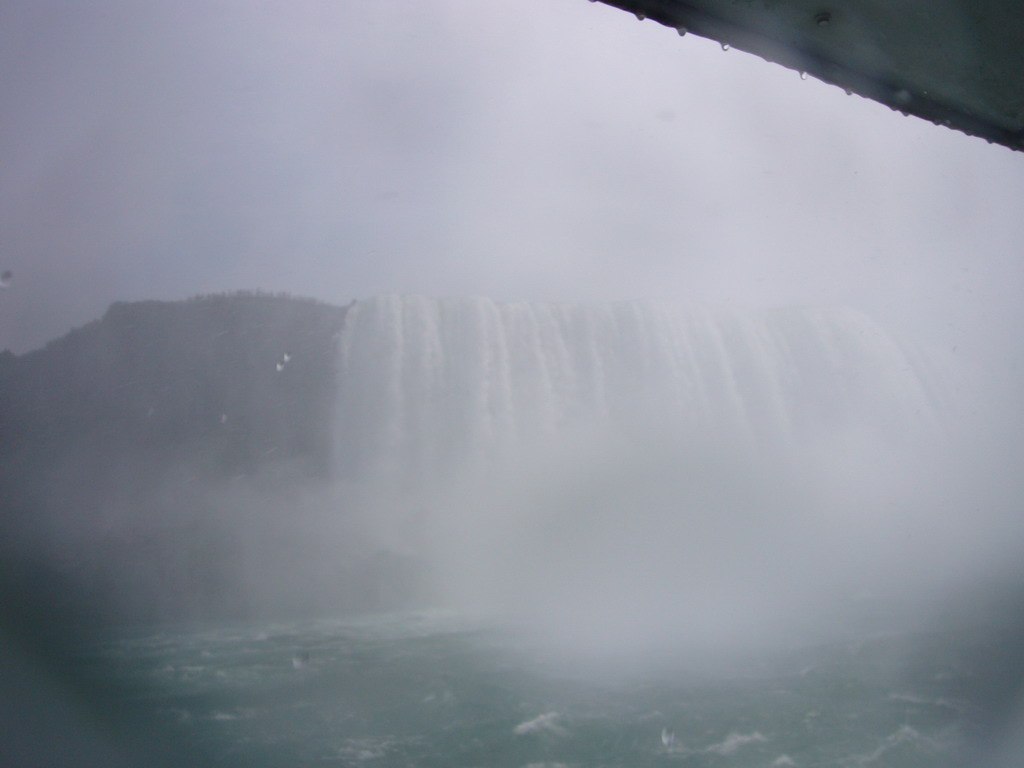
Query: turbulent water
x=431 y=690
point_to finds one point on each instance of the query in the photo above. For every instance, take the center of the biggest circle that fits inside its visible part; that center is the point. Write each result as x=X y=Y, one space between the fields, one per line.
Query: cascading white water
x=431 y=385
x=634 y=473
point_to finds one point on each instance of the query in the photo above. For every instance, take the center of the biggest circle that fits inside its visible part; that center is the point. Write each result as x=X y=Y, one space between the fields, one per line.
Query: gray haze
x=526 y=150
x=622 y=480
x=519 y=150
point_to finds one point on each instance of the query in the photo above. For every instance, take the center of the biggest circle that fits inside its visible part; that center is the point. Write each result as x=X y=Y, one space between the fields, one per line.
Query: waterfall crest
x=432 y=384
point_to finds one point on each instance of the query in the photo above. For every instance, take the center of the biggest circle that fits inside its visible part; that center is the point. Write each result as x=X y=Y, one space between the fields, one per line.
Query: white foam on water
x=546 y=722
x=734 y=741
x=912 y=698
x=365 y=749
x=905 y=735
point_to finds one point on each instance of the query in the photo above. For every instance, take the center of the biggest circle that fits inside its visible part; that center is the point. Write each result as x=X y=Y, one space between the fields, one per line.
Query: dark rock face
x=120 y=443
x=243 y=378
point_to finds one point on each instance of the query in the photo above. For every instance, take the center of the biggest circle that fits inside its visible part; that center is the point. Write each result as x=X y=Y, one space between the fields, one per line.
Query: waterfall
x=429 y=386
x=674 y=473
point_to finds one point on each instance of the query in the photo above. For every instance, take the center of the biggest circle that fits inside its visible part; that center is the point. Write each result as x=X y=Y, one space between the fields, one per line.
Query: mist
x=632 y=478
x=830 y=440
x=560 y=470
x=681 y=550
x=543 y=152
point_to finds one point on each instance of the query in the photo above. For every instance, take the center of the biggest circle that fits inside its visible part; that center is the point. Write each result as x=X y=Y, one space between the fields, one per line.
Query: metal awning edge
x=903 y=97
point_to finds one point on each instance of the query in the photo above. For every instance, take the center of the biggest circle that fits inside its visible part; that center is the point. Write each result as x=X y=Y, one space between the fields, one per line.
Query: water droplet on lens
x=682 y=31
x=280 y=366
x=640 y=16
x=5 y=278
x=803 y=75
x=823 y=19
x=726 y=46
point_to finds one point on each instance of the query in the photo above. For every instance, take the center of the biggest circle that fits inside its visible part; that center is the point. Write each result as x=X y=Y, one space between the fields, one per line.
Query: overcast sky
x=519 y=149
